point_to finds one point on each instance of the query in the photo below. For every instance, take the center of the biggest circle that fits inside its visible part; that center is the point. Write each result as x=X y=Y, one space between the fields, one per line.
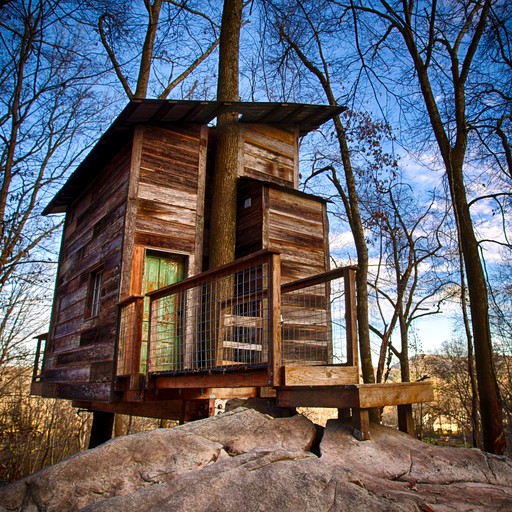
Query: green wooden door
x=162 y=270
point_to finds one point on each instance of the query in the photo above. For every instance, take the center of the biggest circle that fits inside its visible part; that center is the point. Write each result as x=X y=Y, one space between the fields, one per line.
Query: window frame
x=94 y=289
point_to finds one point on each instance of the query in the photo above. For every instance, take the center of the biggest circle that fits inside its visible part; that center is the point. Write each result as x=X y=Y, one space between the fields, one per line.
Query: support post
x=361 y=423
x=351 y=317
x=344 y=414
x=405 y=419
x=274 y=321
x=101 y=430
x=137 y=345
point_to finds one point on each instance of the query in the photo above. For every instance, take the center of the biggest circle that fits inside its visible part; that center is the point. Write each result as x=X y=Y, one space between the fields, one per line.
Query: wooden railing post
x=136 y=344
x=274 y=320
x=36 y=373
x=351 y=316
x=151 y=342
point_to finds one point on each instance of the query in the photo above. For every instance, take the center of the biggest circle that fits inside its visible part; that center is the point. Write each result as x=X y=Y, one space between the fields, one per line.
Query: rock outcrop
x=245 y=460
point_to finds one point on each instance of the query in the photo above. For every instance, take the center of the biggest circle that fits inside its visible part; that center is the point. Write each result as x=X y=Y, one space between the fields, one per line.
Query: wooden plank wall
x=171 y=192
x=297 y=226
x=249 y=217
x=270 y=154
x=79 y=357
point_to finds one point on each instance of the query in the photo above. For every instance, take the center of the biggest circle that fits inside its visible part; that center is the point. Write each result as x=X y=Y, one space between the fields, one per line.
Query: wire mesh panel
x=213 y=321
x=313 y=323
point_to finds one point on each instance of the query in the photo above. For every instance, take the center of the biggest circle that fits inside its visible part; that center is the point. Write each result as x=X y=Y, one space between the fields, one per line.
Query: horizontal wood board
x=269 y=154
x=358 y=395
x=169 y=182
x=320 y=375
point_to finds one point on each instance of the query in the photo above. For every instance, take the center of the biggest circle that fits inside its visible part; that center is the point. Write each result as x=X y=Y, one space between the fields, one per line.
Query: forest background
x=417 y=171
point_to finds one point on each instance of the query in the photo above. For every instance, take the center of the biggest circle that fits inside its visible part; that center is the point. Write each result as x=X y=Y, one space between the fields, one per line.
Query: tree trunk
x=490 y=400
x=141 y=90
x=223 y=216
x=101 y=430
x=453 y=158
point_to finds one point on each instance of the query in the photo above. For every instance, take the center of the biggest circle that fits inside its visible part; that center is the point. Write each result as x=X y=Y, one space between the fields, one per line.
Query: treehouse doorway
x=161 y=269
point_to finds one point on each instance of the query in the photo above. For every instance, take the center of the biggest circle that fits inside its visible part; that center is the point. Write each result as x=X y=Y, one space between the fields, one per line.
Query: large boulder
x=246 y=460
x=436 y=478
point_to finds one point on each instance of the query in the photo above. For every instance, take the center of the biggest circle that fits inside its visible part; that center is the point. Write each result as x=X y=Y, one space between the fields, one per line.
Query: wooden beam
x=201 y=393
x=320 y=375
x=101 y=430
x=378 y=395
x=361 y=424
x=229 y=379
x=342 y=397
x=164 y=409
x=362 y=396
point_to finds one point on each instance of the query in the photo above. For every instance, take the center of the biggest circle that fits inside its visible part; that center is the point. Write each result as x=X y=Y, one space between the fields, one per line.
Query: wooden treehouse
x=141 y=326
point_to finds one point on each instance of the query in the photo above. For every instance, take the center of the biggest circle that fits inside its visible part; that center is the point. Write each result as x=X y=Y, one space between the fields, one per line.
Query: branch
x=189 y=70
x=113 y=59
x=488 y=196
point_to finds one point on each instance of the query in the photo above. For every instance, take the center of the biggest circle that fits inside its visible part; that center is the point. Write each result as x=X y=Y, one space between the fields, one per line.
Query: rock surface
x=245 y=460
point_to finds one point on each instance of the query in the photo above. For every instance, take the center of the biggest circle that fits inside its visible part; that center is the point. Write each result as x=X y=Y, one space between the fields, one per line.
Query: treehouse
x=140 y=325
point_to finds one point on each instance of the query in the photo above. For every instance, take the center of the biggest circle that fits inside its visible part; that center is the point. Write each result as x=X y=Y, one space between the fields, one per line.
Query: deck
x=237 y=331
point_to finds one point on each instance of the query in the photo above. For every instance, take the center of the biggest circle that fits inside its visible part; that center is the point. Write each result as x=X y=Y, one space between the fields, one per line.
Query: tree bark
x=147 y=50
x=453 y=158
x=490 y=400
x=223 y=216
x=356 y=226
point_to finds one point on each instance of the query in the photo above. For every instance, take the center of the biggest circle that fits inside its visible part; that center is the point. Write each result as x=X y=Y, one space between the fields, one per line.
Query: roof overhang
x=306 y=117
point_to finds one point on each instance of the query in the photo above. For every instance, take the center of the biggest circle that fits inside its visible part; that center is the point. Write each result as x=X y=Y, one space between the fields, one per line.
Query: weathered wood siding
x=170 y=202
x=79 y=358
x=270 y=154
x=297 y=226
x=287 y=221
x=250 y=218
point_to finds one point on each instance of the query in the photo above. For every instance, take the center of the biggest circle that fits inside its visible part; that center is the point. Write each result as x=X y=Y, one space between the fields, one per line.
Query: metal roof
x=306 y=117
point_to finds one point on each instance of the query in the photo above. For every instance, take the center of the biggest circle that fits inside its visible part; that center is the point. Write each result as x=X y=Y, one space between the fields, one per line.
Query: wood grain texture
x=320 y=375
x=363 y=396
x=92 y=239
x=172 y=174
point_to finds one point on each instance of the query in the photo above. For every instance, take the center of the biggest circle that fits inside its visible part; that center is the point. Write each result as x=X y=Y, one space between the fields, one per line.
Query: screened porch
x=240 y=326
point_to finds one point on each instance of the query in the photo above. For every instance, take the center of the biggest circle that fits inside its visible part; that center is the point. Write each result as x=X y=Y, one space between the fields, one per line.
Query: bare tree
x=301 y=31
x=45 y=107
x=155 y=58
x=223 y=218
x=443 y=48
x=409 y=280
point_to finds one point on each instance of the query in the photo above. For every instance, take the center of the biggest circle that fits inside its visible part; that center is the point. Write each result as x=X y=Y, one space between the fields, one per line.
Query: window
x=94 y=293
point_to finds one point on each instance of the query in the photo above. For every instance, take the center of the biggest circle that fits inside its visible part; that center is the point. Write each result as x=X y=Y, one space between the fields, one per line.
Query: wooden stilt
x=101 y=430
x=361 y=423
x=405 y=419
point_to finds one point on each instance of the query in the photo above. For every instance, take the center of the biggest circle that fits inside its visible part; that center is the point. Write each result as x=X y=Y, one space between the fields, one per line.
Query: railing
x=37 y=372
x=218 y=319
x=318 y=319
x=240 y=317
